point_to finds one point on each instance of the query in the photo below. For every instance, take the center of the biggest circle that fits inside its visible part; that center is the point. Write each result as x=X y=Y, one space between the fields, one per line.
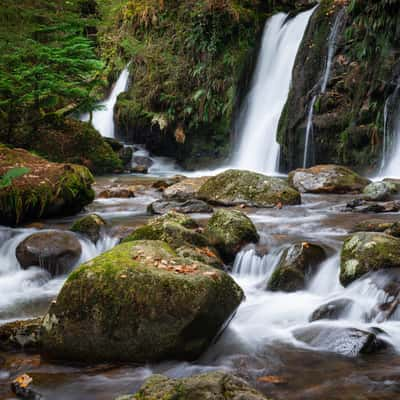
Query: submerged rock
x=207 y=386
x=139 y=302
x=235 y=187
x=335 y=309
x=379 y=191
x=57 y=252
x=229 y=231
x=185 y=189
x=297 y=265
x=327 y=179
x=20 y=334
x=365 y=252
x=90 y=225
x=186 y=207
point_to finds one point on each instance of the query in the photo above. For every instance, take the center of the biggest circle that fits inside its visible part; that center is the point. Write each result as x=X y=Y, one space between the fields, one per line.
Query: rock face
x=366 y=252
x=56 y=252
x=327 y=179
x=297 y=265
x=208 y=386
x=229 y=231
x=20 y=335
x=91 y=226
x=332 y=310
x=48 y=189
x=139 y=302
x=234 y=187
x=185 y=207
x=379 y=191
x=184 y=190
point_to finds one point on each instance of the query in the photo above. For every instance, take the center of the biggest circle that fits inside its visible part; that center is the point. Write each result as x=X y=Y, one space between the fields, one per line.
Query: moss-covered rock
x=235 y=187
x=390 y=227
x=185 y=207
x=296 y=267
x=139 y=302
x=90 y=225
x=207 y=386
x=379 y=191
x=366 y=252
x=49 y=189
x=327 y=179
x=186 y=189
x=19 y=335
x=229 y=231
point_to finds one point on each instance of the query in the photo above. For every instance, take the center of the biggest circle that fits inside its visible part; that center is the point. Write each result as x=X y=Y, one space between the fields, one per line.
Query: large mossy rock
x=296 y=267
x=366 y=252
x=56 y=252
x=91 y=226
x=327 y=179
x=229 y=231
x=139 y=302
x=207 y=386
x=48 y=189
x=235 y=187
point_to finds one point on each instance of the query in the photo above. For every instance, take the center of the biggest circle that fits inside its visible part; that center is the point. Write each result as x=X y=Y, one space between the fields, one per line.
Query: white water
x=259 y=117
x=103 y=119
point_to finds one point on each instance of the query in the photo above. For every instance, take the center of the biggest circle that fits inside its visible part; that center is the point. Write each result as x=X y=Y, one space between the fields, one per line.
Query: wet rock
x=335 y=309
x=140 y=169
x=121 y=231
x=379 y=191
x=185 y=207
x=57 y=252
x=378 y=225
x=346 y=341
x=365 y=252
x=118 y=192
x=125 y=154
x=236 y=187
x=297 y=265
x=363 y=206
x=208 y=386
x=205 y=255
x=20 y=335
x=114 y=143
x=327 y=179
x=139 y=302
x=143 y=161
x=184 y=190
x=91 y=226
x=162 y=184
x=229 y=231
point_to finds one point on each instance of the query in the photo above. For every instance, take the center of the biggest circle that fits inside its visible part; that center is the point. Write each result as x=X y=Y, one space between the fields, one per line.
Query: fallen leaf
x=271 y=379
x=23 y=381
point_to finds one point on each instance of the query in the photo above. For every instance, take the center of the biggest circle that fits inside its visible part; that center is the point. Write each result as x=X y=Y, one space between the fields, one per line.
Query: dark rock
x=140 y=169
x=335 y=309
x=389 y=227
x=91 y=225
x=363 y=206
x=186 y=207
x=20 y=335
x=143 y=161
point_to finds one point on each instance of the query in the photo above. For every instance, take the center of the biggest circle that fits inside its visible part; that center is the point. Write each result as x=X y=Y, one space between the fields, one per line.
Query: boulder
x=19 y=335
x=365 y=252
x=389 y=227
x=117 y=192
x=297 y=265
x=139 y=302
x=90 y=226
x=186 y=189
x=55 y=251
x=48 y=189
x=162 y=184
x=334 y=309
x=363 y=206
x=186 y=207
x=234 y=187
x=143 y=161
x=139 y=169
x=327 y=179
x=229 y=231
x=125 y=155
x=207 y=386
x=379 y=191
x=205 y=255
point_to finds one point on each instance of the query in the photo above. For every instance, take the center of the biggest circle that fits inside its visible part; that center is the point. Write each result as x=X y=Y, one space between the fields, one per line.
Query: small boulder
x=139 y=302
x=335 y=309
x=365 y=252
x=363 y=206
x=139 y=169
x=57 y=252
x=236 y=187
x=91 y=226
x=186 y=207
x=118 y=192
x=125 y=155
x=378 y=225
x=229 y=231
x=143 y=161
x=205 y=255
x=379 y=191
x=327 y=179
x=19 y=335
x=297 y=265
x=162 y=184
x=185 y=189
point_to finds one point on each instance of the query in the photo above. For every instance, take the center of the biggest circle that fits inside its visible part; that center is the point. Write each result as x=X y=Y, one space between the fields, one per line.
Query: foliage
x=10 y=175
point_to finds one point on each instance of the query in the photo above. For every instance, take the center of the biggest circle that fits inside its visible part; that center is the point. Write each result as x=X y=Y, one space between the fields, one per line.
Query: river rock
x=327 y=179
x=57 y=252
x=117 y=192
x=297 y=265
x=346 y=341
x=205 y=255
x=365 y=252
x=139 y=302
x=379 y=191
x=139 y=169
x=184 y=190
x=378 y=225
x=363 y=206
x=234 y=187
x=125 y=154
x=162 y=184
x=91 y=226
x=207 y=386
x=143 y=161
x=334 y=309
x=19 y=335
x=186 y=207
x=229 y=231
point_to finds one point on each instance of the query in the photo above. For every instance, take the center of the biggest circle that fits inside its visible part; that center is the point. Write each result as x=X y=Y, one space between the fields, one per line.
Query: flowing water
x=258 y=119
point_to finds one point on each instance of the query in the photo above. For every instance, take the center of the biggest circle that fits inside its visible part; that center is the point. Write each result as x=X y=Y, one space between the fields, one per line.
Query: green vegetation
x=13 y=173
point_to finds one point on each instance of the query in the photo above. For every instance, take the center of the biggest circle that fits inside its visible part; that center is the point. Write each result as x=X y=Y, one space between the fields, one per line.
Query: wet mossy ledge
x=47 y=189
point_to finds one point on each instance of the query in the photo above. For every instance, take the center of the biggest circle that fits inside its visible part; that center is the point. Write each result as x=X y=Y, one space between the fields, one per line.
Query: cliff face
x=348 y=117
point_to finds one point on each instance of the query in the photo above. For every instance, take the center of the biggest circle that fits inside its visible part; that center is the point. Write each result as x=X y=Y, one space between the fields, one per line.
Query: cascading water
x=259 y=117
x=103 y=119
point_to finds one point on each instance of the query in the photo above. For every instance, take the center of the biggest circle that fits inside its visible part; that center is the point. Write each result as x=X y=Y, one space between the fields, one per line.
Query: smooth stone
x=187 y=207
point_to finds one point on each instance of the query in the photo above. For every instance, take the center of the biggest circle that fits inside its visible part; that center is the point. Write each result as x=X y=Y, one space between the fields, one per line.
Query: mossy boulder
x=207 y=386
x=379 y=191
x=327 y=179
x=296 y=267
x=235 y=187
x=365 y=252
x=91 y=226
x=229 y=231
x=139 y=302
x=48 y=189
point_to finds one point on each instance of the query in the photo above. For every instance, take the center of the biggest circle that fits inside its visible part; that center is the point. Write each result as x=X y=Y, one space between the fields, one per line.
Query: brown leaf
x=271 y=379
x=23 y=381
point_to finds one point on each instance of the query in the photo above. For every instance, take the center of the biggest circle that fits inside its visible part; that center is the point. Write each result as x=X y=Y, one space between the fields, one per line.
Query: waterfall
x=259 y=116
x=332 y=41
x=103 y=119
